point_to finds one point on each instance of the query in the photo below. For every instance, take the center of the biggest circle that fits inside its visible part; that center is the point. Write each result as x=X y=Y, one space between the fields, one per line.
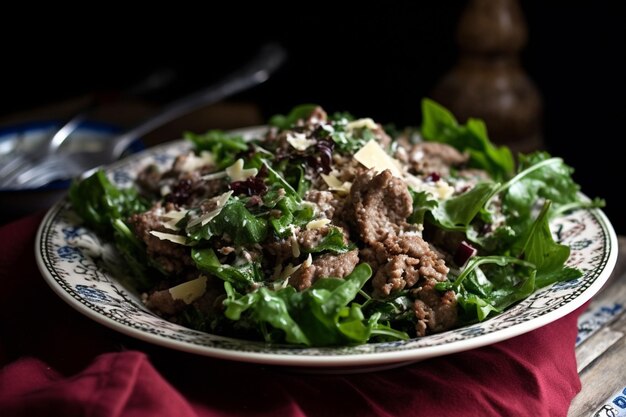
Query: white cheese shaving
x=307 y=262
x=174 y=217
x=181 y=240
x=317 y=224
x=193 y=162
x=288 y=271
x=373 y=156
x=295 y=246
x=334 y=184
x=299 y=141
x=236 y=172
x=214 y=176
x=439 y=190
x=362 y=123
x=220 y=202
x=175 y=214
x=189 y=291
x=165 y=190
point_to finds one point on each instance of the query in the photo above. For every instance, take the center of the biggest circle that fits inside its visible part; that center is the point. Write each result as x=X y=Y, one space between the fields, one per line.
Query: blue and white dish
x=26 y=137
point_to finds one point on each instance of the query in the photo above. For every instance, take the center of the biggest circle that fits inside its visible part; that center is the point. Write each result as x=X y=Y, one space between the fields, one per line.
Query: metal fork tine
x=16 y=163
x=55 y=168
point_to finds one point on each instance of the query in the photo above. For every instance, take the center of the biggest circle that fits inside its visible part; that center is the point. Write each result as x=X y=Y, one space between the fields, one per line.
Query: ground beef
x=435 y=311
x=327 y=265
x=210 y=302
x=399 y=272
x=428 y=157
x=279 y=251
x=170 y=256
x=378 y=205
x=309 y=239
x=325 y=202
x=346 y=168
x=432 y=264
x=402 y=261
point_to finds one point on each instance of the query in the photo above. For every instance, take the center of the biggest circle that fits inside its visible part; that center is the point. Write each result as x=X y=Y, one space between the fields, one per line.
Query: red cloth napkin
x=54 y=361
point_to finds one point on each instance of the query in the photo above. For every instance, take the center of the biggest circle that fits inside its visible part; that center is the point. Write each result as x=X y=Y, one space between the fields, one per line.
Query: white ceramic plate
x=82 y=270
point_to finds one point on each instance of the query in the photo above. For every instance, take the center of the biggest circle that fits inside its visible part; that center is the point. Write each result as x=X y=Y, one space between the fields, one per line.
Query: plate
x=83 y=270
x=27 y=137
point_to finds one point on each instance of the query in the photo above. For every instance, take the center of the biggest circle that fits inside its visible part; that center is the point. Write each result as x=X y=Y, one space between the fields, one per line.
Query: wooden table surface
x=601 y=354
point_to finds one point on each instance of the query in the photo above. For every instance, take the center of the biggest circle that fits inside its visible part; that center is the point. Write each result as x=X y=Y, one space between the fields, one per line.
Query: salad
x=330 y=230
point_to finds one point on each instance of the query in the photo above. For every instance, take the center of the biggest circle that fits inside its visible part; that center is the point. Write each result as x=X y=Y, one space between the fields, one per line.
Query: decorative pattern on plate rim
x=84 y=271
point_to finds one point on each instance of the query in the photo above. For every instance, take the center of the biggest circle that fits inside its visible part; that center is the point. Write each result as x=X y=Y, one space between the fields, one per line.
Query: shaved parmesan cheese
x=366 y=123
x=444 y=190
x=295 y=246
x=373 y=156
x=165 y=190
x=288 y=271
x=181 y=240
x=335 y=185
x=175 y=216
x=193 y=162
x=214 y=176
x=308 y=261
x=317 y=224
x=236 y=172
x=439 y=190
x=299 y=141
x=189 y=291
x=220 y=202
x=171 y=224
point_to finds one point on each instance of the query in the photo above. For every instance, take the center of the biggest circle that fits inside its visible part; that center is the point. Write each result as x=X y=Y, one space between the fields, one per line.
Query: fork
x=64 y=165
x=21 y=160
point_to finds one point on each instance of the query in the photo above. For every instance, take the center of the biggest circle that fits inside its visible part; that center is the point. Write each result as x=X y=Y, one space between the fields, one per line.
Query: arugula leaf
x=222 y=145
x=422 y=202
x=548 y=256
x=242 y=276
x=133 y=252
x=474 y=262
x=104 y=207
x=302 y=111
x=440 y=125
x=456 y=213
x=318 y=316
x=539 y=177
x=333 y=242
x=234 y=220
x=268 y=307
x=98 y=202
x=479 y=293
x=292 y=214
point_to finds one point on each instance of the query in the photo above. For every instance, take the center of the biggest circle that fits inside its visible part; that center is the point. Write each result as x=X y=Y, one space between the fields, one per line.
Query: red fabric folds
x=54 y=361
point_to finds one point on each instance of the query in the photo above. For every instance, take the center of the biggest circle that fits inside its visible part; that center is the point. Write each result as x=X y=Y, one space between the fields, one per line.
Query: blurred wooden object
x=488 y=81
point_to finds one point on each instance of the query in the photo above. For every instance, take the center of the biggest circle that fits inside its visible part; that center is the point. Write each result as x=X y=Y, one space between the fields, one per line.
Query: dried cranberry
x=463 y=253
x=250 y=186
x=180 y=192
x=433 y=176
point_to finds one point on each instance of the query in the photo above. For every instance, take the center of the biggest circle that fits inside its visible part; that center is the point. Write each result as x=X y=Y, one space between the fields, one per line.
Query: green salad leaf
x=440 y=125
x=318 y=316
x=223 y=146
x=302 y=111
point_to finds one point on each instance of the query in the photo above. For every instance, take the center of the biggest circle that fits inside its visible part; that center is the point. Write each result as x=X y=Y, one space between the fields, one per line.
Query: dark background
x=372 y=61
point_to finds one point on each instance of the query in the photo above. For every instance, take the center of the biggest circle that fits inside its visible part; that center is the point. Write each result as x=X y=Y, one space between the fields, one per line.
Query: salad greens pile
x=503 y=218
